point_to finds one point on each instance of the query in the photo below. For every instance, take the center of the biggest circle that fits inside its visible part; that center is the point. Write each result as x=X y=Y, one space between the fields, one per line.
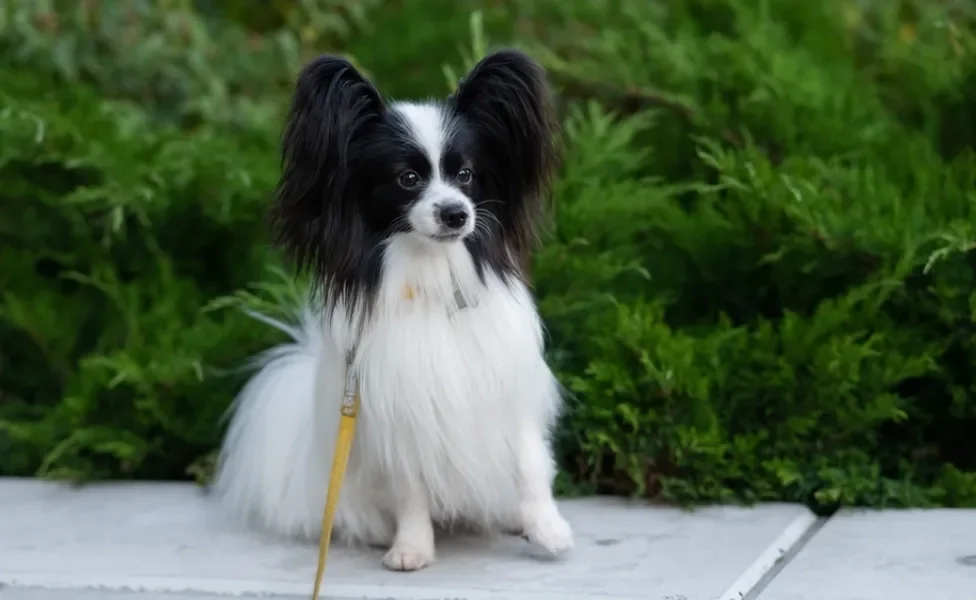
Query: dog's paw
x=545 y=527
x=405 y=558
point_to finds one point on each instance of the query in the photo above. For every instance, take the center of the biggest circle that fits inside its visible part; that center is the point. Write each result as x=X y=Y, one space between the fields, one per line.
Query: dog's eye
x=464 y=176
x=408 y=180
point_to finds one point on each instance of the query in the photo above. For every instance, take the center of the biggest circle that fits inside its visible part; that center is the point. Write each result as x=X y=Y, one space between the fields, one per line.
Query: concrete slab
x=158 y=539
x=889 y=555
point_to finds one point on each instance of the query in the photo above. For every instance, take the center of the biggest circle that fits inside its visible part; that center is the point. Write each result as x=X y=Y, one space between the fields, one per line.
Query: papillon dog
x=416 y=221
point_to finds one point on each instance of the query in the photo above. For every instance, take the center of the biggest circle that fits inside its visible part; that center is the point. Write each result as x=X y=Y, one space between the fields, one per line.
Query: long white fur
x=458 y=404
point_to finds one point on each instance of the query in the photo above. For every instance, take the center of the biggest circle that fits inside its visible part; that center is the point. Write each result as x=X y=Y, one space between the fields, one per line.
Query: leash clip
x=350 y=397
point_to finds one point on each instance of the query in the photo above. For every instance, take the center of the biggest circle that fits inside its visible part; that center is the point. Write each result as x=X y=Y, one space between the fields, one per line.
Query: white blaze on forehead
x=429 y=128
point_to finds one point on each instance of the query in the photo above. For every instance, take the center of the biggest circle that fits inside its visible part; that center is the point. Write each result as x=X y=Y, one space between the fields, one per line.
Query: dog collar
x=410 y=292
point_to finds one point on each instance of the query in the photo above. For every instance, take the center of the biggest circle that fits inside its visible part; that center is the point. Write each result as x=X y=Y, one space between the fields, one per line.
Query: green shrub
x=759 y=284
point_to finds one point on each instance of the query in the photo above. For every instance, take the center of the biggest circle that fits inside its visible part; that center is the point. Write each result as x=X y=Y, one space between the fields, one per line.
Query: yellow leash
x=343 y=446
x=347 y=432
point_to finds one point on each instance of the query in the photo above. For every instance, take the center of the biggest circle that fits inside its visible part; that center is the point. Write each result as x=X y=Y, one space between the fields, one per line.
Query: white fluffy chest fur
x=451 y=372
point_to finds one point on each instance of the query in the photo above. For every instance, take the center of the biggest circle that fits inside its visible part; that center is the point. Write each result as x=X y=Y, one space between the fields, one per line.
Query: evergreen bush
x=759 y=284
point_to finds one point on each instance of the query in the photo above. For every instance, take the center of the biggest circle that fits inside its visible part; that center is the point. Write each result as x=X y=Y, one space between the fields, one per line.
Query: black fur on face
x=346 y=152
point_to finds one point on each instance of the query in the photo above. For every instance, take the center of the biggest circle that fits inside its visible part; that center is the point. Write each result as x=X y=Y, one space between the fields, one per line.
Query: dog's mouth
x=451 y=236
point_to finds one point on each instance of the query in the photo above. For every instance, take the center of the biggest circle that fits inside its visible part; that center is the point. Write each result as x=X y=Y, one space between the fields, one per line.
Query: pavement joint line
x=783 y=561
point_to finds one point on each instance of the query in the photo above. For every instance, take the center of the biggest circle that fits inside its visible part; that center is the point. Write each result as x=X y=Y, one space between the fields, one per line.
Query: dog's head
x=474 y=168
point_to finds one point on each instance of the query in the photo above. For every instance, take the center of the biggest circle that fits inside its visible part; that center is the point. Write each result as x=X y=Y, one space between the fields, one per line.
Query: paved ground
x=165 y=542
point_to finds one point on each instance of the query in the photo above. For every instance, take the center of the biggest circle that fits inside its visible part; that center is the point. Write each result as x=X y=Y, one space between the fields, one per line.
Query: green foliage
x=759 y=284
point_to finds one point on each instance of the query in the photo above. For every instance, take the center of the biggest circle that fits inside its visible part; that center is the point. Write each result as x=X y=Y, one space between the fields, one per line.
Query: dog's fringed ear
x=313 y=218
x=507 y=99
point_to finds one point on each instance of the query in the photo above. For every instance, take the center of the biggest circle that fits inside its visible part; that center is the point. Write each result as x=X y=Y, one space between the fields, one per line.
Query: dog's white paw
x=406 y=558
x=545 y=527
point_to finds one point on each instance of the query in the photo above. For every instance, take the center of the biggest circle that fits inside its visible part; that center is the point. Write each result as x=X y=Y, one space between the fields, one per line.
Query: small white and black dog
x=416 y=220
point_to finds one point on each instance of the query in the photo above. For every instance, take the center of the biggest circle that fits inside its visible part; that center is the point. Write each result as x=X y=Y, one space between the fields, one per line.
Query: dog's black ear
x=313 y=218
x=506 y=98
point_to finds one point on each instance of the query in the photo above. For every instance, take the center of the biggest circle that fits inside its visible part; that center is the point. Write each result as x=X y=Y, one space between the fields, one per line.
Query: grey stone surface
x=161 y=541
x=889 y=555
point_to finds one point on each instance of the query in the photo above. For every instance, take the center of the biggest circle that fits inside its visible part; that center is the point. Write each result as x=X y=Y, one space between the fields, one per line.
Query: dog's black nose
x=453 y=215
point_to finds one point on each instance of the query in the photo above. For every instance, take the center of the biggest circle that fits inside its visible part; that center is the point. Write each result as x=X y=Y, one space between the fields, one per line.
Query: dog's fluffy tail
x=273 y=466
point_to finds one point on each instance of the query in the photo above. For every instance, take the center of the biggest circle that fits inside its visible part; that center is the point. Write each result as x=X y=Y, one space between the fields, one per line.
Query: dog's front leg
x=542 y=522
x=413 y=545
